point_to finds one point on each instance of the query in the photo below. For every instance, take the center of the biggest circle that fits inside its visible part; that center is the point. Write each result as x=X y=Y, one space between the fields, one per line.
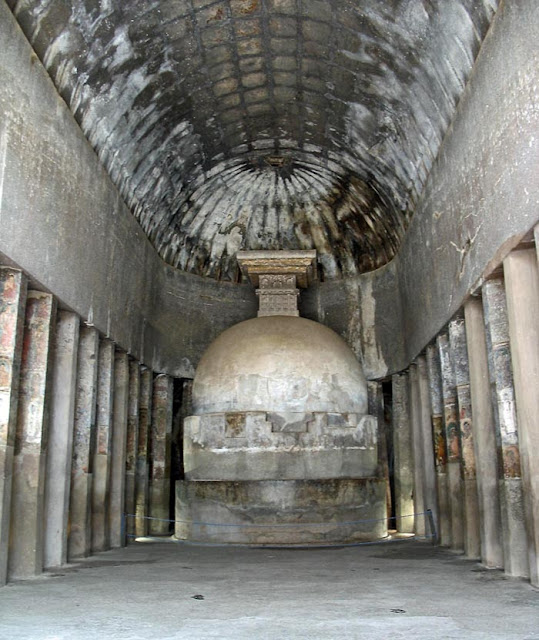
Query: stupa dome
x=279 y=364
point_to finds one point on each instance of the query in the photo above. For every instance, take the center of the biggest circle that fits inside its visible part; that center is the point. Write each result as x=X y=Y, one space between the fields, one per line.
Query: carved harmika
x=278 y=295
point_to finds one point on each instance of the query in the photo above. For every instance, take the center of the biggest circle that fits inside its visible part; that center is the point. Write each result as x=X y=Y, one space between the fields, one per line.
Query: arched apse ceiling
x=254 y=124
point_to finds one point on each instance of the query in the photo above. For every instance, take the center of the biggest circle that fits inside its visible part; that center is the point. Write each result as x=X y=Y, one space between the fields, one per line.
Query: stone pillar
x=451 y=426
x=60 y=447
x=403 y=457
x=459 y=357
x=515 y=543
x=375 y=396
x=142 y=483
x=118 y=448
x=522 y=289
x=429 y=480
x=484 y=436
x=439 y=444
x=160 y=467
x=28 y=491
x=80 y=503
x=102 y=453
x=13 y=300
x=417 y=449
x=132 y=445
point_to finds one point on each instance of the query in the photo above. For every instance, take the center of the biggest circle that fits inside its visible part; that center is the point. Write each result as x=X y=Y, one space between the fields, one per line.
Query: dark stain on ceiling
x=263 y=124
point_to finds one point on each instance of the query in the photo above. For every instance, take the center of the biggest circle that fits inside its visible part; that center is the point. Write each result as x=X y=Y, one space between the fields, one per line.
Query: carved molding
x=301 y=264
x=277 y=274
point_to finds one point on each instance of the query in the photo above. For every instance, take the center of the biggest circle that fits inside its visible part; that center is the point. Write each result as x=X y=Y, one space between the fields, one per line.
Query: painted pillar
x=451 y=427
x=118 y=449
x=80 y=503
x=522 y=289
x=28 y=489
x=403 y=457
x=439 y=444
x=515 y=543
x=13 y=287
x=459 y=357
x=484 y=436
x=132 y=445
x=60 y=447
x=102 y=452
x=429 y=480
x=142 y=480
x=160 y=467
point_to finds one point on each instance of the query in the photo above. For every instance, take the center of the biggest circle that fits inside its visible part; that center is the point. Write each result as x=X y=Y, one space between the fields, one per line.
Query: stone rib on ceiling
x=254 y=124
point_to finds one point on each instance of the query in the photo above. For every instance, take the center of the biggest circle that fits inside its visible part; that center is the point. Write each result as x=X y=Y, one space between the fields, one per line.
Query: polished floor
x=165 y=590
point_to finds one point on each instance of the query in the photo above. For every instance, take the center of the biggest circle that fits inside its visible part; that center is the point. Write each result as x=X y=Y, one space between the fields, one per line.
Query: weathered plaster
x=279 y=363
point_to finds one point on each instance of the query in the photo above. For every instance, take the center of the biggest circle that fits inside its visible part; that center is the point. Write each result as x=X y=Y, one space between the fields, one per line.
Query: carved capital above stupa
x=301 y=264
x=276 y=274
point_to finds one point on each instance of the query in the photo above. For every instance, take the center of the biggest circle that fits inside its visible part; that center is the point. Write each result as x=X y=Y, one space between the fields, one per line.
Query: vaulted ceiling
x=263 y=124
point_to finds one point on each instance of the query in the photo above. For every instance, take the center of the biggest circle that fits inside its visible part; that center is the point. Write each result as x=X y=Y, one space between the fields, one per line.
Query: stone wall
x=482 y=194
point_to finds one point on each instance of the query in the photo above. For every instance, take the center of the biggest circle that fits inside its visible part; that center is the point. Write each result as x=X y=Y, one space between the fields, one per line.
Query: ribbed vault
x=254 y=124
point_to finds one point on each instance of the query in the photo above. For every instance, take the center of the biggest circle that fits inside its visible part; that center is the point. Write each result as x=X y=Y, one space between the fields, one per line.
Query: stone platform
x=284 y=478
x=281 y=512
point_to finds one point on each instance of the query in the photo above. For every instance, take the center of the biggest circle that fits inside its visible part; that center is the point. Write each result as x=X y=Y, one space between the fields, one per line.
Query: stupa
x=280 y=448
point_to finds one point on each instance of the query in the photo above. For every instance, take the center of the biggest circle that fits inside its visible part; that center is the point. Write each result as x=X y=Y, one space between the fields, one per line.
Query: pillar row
x=28 y=489
x=13 y=287
x=78 y=423
x=522 y=288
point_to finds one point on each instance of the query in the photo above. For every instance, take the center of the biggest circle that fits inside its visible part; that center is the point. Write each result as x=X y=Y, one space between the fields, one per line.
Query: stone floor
x=164 y=590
